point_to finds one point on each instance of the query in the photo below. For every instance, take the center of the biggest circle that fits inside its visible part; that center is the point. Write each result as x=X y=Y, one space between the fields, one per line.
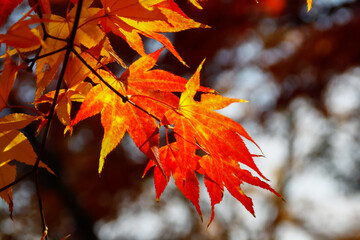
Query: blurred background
x=301 y=74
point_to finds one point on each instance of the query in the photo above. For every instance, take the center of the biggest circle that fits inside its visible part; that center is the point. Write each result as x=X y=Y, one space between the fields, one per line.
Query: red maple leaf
x=197 y=127
x=150 y=95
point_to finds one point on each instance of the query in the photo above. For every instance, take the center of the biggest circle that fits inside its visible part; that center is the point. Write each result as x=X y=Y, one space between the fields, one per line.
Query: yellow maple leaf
x=88 y=34
x=130 y=18
x=14 y=146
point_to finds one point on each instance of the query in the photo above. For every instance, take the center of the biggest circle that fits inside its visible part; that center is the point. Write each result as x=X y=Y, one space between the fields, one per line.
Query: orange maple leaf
x=63 y=105
x=130 y=18
x=148 y=89
x=185 y=177
x=88 y=34
x=20 y=35
x=196 y=126
x=116 y=117
x=140 y=101
x=14 y=145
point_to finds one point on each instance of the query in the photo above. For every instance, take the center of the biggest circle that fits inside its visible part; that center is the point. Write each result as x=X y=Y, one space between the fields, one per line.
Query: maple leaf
x=20 y=35
x=151 y=90
x=63 y=105
x=196 y=126
x=47 y=67
x=88 y=34
x=155 y=85
x=185 y=178
x=7 y=79
x=116 y=117
x=129 y=18
x=77 y=71
x=141 y=101
x=14 y=145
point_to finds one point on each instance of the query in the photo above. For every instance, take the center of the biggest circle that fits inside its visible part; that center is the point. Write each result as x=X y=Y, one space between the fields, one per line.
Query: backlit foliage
x=74 y=50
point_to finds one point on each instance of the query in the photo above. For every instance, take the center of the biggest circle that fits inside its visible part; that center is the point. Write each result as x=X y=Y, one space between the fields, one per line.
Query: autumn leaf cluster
x=73 y=52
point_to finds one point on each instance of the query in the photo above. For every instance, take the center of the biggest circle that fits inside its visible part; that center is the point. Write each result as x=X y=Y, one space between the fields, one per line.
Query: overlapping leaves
x=142 y=101
x=14 y=146
x=197 y=127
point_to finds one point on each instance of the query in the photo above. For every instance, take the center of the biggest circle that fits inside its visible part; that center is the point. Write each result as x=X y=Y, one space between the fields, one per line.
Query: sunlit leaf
x=130 y=18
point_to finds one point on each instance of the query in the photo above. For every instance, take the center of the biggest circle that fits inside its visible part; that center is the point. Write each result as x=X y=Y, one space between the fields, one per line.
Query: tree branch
x=17 y=181
x=69 y=48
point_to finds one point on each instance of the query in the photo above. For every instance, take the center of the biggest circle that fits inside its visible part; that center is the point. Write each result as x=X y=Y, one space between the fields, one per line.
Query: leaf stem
x=154 y=99
x=91 y=19
x=46 y=55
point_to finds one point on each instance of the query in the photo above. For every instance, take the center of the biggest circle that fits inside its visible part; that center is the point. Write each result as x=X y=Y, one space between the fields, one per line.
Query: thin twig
x=36 y=56
x=45 y=33
x=124 y=98
x=42 y=215
x=17 y=181
x=69 y=48
x=52 y=110
x=46 y=55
